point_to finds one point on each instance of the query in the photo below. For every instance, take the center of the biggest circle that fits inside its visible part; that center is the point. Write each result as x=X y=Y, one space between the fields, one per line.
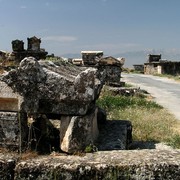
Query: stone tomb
x=65 y=92
x=42 y=91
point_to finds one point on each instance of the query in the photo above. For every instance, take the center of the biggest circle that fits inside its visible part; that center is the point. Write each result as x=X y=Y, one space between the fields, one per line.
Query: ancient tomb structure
x=112 y=66
x=156 y=65
x=42 y=90
x=33 y=49
x=91 y=57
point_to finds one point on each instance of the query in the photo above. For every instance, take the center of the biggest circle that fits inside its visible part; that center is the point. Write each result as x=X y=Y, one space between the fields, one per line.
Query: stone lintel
x=8 y=104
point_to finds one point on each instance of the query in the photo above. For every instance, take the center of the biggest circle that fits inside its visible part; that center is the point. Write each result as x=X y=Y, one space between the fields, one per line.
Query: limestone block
x=106 y=165
x=64 y=123
x=81 y=132
x=8 y=104
x=9 y=100
x=9 y=129
x=13 y=132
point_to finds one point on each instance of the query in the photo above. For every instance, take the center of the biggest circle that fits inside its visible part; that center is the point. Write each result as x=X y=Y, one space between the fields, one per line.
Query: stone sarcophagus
x=48 y=88
x=66 y=92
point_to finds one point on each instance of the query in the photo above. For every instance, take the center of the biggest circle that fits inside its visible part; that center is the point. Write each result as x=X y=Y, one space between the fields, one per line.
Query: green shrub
x=174 y=141
x=110 y=102
x=90 y=148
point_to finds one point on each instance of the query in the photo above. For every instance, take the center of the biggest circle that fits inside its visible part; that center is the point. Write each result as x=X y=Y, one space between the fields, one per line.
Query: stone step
x=132 y=164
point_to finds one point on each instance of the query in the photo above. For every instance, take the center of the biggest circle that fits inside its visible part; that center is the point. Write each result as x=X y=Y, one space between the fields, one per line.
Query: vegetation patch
x=110 y=102
x=151 y=122
x=175 y=77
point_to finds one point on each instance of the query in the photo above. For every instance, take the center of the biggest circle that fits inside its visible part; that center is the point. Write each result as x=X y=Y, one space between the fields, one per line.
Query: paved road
x=165 y=91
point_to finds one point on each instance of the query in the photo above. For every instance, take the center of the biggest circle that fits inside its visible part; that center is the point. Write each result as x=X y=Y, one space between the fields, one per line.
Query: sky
x=113 y=26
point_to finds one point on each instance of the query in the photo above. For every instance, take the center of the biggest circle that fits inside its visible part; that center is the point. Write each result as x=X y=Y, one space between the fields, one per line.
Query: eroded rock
x=134 y=164
x=48 y=88
x=81 y=132
x=60 y=90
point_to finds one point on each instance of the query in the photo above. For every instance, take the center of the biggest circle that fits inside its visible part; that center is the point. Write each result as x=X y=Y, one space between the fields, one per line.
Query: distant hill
x=138 y=57
x=71 y=55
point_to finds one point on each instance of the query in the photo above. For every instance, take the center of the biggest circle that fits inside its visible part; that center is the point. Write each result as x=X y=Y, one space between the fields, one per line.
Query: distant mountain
x=131 y=58
x=71 y=55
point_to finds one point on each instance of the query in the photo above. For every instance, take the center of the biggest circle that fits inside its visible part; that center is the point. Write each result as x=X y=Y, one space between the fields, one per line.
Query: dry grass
x=176 y=127
x=175 y=77
x=29 y=155
x=149 y=124
x=150 y=121
x=4 y=150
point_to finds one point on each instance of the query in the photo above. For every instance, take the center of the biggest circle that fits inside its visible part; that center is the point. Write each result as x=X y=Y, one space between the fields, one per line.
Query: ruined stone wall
x=172 y=68
x=163 y=67
x=105 y=165
x=139 y=67
x=150 y=69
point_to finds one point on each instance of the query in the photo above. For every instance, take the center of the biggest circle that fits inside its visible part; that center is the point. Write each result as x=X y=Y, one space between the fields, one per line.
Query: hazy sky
x=114 y=26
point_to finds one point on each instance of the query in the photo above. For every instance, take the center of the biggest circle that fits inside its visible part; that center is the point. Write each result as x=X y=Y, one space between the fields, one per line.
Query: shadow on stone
x=115 y=135
x=44 y=137
x=143 y=145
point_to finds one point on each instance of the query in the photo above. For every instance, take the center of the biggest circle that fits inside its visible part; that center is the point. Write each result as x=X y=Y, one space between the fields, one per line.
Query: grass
x=175 y=77
x=151 y=122
x=115 y=102
x=28 y=155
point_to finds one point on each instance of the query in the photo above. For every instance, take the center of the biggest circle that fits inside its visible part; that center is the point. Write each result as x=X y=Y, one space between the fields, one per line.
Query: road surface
x=165 y=91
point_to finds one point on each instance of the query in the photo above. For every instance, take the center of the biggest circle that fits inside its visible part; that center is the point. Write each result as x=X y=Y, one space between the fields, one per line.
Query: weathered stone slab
x=9 y=100
x=8 y=104
x=50 y=88
x=13 y=130
x=9 y=129
x=81 y=132
x=132 y=164
x=115 y=135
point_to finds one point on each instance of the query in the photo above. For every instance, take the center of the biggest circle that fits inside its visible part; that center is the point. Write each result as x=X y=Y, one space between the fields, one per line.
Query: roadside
x=153 y=126
x=165 y=91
